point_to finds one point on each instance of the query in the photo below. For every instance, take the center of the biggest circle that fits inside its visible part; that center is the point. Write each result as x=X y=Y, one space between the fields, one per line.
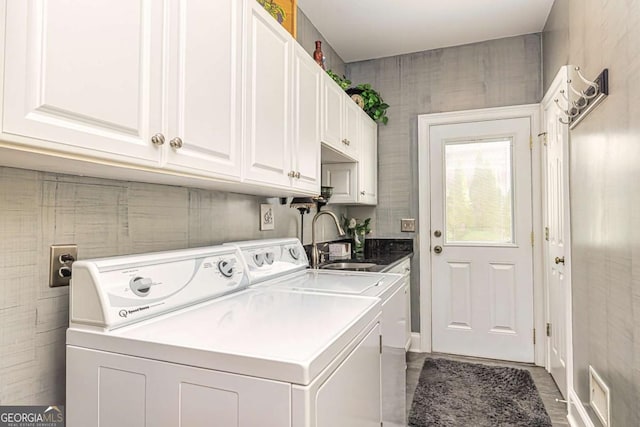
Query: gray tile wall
x=481 y=75
x=104 y=218
x=605 y=196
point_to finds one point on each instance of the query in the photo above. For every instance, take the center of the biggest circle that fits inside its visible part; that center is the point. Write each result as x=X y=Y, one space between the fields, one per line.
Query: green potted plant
x=372 y=102
x=357 y=230
x=343 y=82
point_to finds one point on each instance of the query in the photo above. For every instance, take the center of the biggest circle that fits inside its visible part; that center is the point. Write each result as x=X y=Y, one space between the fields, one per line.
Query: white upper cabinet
x=268 y=49
x=305 y=155
x=205 y=80
x=85 y=77
x=282 y=107
x=356 y=183
x=351 y=127
x=332 y=113
x=339 y=122
x=205 y=94
x=368 y=165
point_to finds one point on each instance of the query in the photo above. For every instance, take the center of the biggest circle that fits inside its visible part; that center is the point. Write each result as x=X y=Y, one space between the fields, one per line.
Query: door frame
x=425 y=121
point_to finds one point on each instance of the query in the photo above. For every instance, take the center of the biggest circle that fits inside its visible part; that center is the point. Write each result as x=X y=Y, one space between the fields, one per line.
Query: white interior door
x=557 y=236
x=481 y=225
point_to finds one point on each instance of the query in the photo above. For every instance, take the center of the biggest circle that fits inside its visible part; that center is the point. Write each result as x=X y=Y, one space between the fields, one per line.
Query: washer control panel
x=270 y=258
x=131 y=288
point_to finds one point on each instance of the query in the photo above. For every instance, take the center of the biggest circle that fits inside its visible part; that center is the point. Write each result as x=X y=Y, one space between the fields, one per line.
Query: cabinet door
x=268 y=98
x=332 y=113
x=353 y=116
x=204 y=91
x=343 y=178
x=368 y=165
x=85 y=77
x=306 y=121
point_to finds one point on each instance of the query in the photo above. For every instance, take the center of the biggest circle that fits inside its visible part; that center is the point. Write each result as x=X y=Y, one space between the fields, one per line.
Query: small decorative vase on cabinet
x=318 y=56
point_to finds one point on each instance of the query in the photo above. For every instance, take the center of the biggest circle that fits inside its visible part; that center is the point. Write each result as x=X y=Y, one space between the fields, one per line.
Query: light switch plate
x=61 y=259
x=408 y=224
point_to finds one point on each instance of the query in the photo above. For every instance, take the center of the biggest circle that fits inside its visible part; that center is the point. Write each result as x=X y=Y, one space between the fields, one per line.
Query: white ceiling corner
x=367 y=29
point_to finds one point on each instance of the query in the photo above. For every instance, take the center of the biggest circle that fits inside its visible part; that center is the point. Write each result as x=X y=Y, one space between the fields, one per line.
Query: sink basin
x=354 y=266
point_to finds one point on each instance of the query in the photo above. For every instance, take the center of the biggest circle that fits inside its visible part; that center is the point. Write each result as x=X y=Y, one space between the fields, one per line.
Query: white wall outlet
x=408 y=225
x=61 y=262
x=267 y=217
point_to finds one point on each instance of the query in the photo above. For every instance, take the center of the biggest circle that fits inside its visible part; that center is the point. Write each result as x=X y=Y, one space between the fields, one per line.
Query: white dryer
x=282 y=264
x=176 y=339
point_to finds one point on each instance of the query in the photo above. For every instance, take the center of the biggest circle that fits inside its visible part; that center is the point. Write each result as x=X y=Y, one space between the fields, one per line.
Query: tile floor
x=543 y=381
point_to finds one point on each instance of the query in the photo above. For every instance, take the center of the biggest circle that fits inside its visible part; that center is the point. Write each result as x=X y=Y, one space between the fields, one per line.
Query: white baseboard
x=415 y=343
x=580 y=418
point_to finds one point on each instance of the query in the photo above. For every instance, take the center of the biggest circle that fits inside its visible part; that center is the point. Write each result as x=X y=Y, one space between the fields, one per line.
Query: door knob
x=559 y=260
x=176 y=143
x=437 y=233
x=437 y=249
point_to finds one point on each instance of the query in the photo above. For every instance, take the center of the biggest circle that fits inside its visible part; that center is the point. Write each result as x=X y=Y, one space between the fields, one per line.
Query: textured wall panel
x=481 y=75
x=605 y=195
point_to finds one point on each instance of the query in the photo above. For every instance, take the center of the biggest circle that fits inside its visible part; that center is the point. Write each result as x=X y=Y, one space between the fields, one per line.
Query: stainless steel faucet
x=315 y=255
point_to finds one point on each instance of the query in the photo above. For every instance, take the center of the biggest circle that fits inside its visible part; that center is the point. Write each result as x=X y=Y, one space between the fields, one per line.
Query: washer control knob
x=141 y=286
x=258 y=259
x=269 y=257
x=226 y=267
x=295 y=253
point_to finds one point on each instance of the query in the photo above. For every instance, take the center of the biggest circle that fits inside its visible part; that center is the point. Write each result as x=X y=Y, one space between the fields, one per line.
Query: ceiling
x=366 y=29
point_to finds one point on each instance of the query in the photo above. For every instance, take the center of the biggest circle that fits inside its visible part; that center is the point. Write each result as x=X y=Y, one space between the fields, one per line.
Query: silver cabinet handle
x=176 y=143
x=298 y=175
x=347 y=142
x=362 y=193
x=291 y=174
x=157 y=139
x=344 y=141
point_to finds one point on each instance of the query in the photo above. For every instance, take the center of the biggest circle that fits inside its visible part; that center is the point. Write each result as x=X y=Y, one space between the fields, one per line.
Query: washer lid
x=284 y=336
x=345 y=282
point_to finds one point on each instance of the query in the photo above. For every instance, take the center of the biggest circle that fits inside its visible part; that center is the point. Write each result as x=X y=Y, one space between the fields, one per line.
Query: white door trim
x=425 y=121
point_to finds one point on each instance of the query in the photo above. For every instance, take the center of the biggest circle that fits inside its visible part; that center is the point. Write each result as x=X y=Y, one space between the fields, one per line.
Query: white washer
x=282 y=264
x=176 y=339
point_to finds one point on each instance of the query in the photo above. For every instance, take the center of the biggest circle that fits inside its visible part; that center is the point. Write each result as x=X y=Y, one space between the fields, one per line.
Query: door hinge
x=530 y=142
x=548 y=329
x=546 y=234
x=532 y=238
x=534 y=336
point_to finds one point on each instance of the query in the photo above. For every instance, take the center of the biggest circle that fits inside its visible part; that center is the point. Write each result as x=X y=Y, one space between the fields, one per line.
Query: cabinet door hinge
x=546 y=234
x=531 y=142
x=532 y=238
x=548 y=329
x=534 y=336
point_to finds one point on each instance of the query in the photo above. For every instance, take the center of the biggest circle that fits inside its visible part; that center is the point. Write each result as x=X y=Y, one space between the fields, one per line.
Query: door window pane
x=479 y=197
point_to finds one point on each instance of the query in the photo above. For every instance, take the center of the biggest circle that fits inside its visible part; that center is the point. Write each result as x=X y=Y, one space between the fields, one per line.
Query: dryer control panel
x=269 y=258
x=113 y=292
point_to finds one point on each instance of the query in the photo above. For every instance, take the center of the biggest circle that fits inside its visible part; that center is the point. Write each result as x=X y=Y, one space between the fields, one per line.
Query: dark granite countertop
x=385 y=253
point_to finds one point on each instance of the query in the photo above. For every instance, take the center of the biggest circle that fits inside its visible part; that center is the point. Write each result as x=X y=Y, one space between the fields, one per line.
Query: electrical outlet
x=60 y=264
x=408 y=224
